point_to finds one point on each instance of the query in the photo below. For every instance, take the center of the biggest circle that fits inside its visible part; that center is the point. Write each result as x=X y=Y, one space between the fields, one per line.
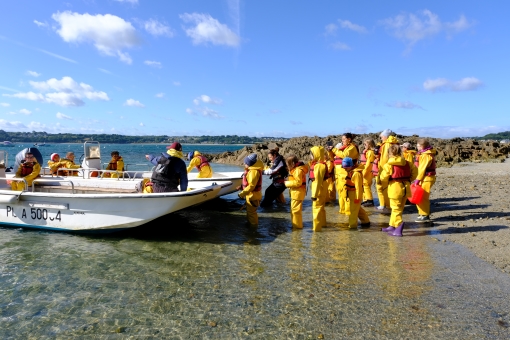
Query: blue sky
x=257 y=68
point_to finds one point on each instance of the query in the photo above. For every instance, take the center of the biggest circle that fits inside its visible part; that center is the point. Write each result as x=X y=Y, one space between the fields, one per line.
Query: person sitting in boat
x=68 y=163
x=54 y=163
x=28 y=170
x=201 y=163
x=170 y=171
x=116 y=164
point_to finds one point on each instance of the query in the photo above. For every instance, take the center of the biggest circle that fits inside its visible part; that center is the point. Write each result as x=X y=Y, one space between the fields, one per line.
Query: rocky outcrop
x=450 y=151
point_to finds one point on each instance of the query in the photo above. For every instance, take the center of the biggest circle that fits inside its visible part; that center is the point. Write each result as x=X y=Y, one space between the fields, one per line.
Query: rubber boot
x=398 y=230
x=390 y=228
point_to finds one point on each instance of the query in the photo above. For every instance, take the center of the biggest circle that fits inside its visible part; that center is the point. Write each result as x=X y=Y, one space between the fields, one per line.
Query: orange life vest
x=311 y=174
x=363 y=157
x=113 y=165
x=203 y=162
x=258 y=186
x=431 y=170
x=375 y=164
x=349 y=184
x=401 y=173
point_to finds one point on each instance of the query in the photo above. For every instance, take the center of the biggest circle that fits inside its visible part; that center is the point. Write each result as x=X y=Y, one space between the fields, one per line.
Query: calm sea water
x=202 y=273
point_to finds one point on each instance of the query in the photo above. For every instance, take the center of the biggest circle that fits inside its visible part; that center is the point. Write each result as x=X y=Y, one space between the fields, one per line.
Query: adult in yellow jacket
x=297 y=189
x=115 y=164
x=54 y=163
x=367 y=159
x=408 y=153
x=354 y=191
x=397 y=175
x=426 y=164
x=252 y=186
x=28 y=170
x=68 y=163
x=345 y=149
x=201 y=163
x=319 y=188
x=387 y=139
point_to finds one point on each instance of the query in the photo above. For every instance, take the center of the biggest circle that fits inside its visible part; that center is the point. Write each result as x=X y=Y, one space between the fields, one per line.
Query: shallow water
x=203 y=273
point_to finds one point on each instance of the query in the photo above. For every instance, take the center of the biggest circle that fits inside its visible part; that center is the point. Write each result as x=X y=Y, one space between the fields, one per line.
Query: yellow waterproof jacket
x=318 y=185
x=119 y=168
x=54 y=166
x=66 y=163
x=425 y=161
x=396 y=189
x=384 y=151
x=409 y=155
x=367 y=169
x=252 y=177
x=30 y=177
x=205 y=171
x=356 y=175
x=297 y=178
x=350 y=151
x=175 y=153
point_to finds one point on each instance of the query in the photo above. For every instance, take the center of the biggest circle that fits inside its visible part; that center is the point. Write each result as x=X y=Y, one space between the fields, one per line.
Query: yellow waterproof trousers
x=319 y=213
x=356 y=211
x=424 y=206
x=397 y=209
x=367 y=187
x=331 y=190
x=296 y=213
x=251 y=212
x=340 y=175
x=18 y=186
x=382 y=194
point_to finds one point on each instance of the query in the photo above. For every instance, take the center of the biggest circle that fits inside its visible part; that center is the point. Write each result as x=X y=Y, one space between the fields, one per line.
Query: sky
x=256 y=68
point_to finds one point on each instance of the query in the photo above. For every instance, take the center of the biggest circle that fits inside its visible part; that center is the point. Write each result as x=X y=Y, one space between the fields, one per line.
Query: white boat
x=6 y=143
x=78 y=205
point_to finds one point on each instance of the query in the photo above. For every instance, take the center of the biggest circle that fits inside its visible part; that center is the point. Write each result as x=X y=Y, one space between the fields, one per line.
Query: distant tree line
x=44 y=137
x=496 y=136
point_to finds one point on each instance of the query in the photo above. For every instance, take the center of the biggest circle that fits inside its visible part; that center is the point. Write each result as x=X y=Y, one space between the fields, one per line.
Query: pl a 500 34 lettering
x=35 y=214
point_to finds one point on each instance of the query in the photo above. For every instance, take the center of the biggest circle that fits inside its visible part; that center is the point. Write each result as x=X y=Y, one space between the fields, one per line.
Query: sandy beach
x=470 y=206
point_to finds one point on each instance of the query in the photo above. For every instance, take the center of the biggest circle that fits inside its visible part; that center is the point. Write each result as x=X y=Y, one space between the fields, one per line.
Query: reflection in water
x=204 y=271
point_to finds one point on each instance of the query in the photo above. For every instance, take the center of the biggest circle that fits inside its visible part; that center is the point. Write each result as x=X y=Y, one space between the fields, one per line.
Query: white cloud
x=7 y=125
x=132 y=102
x=5 y=104
x=331 y=29
x=340 y=46
x=67 y=92
x=156 y=28
x=350 y=26
x=40 y=24
x=207 y=100
x=177 y=83
x=32 y=73
x=404 y=105
x=134 y=2
x=110 y=34
x=8 y=89
x=207 y=29
x=443 y=84
x=153 y=63
x=142 y=124
x=452 y=131
x=105 y=71
x=207 y=112
x=275 y=111
x=190 y=111
x=295 y=123
x=63 y=116
x=411 y=28
x=160 y=95
x=25 y=112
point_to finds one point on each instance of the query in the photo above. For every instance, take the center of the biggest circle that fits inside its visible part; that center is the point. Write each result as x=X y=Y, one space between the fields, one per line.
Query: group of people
x=346 y=172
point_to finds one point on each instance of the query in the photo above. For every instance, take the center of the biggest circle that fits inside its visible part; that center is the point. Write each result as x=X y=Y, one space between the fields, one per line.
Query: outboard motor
x=20 y=157
x=92 y=159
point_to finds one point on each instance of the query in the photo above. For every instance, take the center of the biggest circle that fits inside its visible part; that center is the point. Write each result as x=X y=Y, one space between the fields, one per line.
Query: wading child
x=354 y=193
x=329 y=156
x=297 y=189
x=397 y=175
x=387 y=139
x=201 y=163
x=426 y=164
x=345 y=149
x=252 y=187
x=319 y=189
x=367 y=159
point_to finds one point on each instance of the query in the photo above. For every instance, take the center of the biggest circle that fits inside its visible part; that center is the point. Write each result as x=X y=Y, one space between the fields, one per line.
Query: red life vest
x=431 y=170
x=338 y=160
x=203 y=162
x=363 y=157
x=27 y=169
x=258 y=186
x=349 y=184
x=311 y=174
x=401 y=173
x=375 y=164
x=113 y=165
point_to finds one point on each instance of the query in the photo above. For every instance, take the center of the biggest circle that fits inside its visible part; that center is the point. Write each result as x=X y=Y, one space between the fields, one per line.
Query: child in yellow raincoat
x=345 y=149
x=319 y=189
x=252 y=187
x=297 y=189
x=354 y=192
x=68 y=163
x=408 y=153
x=28 y=170
x=426 y=164
x=54 y=163
x=397 y=175
x=201 y=163
x=367 y=159
x=330 y=156
x=387 y=139
x=116 y=164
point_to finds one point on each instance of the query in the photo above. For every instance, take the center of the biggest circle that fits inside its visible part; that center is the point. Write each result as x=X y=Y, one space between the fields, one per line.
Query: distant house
x=505 y=141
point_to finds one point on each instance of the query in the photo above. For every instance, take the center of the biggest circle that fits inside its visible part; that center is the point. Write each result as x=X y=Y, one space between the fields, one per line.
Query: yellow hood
x=257 y=166
x=391 y=140
x=175 y=153
x=318 y=153
x=397 y=160
x=431 y=152
x=196 y=153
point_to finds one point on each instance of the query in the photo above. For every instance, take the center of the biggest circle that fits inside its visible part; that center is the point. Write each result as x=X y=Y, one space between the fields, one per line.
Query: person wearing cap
x=251 y=189
x=68 y=163
x=115 y=164
x=397 y=175
x=175 y=150
x=170 y=171
x=28 y=170
x=201 y=163
x=354 y=192
x=387 y=139
x=408 y=152
x=54 y=163
x=319 y=190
